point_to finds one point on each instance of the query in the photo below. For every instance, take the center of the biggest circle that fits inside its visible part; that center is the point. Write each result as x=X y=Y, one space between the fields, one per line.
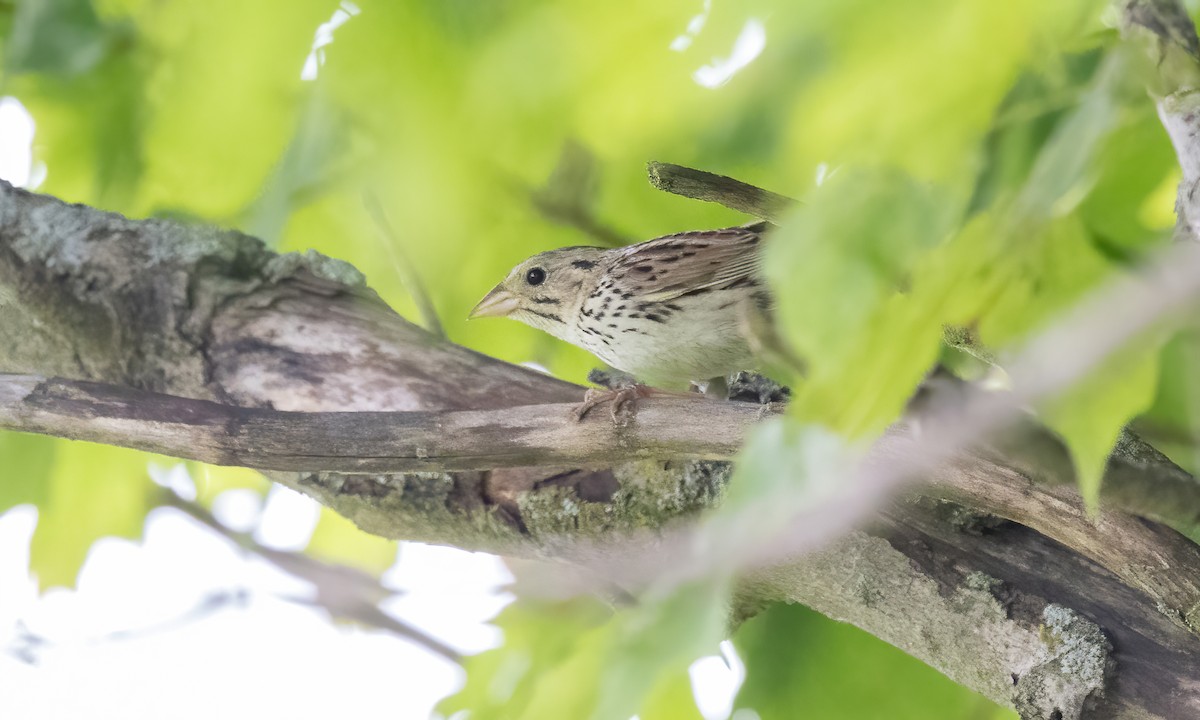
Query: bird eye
x=535 y=276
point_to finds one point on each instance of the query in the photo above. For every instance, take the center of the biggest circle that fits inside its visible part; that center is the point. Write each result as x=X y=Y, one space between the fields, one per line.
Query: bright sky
x=133 y=641
x=258 y=655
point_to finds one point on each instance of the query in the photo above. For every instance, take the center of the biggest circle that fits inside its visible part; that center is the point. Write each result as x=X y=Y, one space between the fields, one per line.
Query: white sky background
x=260 y=655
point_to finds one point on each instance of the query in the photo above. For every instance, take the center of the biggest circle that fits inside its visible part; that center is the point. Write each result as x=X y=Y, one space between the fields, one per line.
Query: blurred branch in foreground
x=344 y=592
x=27 y=646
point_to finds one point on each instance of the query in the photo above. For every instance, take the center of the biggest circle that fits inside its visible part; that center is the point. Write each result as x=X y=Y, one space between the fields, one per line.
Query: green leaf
x=212 y=480
x=59 y=37
x=569 y=660
x=92 y=491
x=802 y=664
x=1030 y=284
x=1065 y=167
x=1172 y=424
x=924 y=106
x=1132 y=203
x=28 y=461
x=1032 y=110
x=222 y=100
x=672 y=699
x=1091 y=415
x=786 y=467
x=655 y=643
x=90 y=129
x=538 y=636
x=6 y=19
x=837 y=268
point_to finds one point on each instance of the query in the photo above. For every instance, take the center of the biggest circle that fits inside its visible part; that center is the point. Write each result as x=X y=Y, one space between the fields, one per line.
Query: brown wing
x=668 y=267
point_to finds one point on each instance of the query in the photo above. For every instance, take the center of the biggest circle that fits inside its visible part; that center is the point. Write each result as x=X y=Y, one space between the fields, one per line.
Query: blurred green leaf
x=1091 y=415
x=925 y=106
x=89 y=129
x=1024 y=122
x=835 y=268
x=212 y=480
x=655 y=643
x=1172 y=423
x=569 y=660
x=672 y=699
x=785 y=468
x=28 y=461
x=7 y=11
x=802 y=664
x=537 y=636
x=92 y=491
x=59 y=37
x=226 y=98
x=1007 y=292
x=1064 y=169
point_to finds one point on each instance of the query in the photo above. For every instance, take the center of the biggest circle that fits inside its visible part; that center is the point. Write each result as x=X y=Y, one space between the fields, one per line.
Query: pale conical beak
x=498 y=303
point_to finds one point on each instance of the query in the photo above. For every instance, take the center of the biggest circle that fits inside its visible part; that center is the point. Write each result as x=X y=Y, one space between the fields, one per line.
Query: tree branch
x=710 y=187
x=371 y=442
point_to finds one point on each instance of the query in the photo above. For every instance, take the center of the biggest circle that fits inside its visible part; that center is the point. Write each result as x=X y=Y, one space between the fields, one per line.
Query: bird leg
x=622 y=401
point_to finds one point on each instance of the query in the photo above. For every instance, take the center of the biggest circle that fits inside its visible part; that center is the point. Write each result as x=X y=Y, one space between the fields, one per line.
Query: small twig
x=404 y=266
x=733 y=194
x=344 y=592
x=567 y=195
x=208 y=605
x=26 y=645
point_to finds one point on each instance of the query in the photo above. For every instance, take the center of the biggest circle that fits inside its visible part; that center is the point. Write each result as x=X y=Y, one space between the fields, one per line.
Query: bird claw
x=622 y=402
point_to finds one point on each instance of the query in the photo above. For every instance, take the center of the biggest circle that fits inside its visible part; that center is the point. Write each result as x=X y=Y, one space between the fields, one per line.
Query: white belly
x=700 y=341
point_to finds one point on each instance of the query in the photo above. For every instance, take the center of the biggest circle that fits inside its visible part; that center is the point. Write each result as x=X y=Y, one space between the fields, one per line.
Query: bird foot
x=622 y=402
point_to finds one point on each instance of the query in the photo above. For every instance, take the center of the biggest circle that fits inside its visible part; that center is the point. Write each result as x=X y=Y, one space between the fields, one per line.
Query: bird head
x=542 y=290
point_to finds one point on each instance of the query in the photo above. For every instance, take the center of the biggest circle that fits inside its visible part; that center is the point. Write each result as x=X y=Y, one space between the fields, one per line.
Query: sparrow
x=669 y=311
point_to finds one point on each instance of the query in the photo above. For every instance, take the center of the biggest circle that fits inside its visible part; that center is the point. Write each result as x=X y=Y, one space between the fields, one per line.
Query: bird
x=670 y=312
